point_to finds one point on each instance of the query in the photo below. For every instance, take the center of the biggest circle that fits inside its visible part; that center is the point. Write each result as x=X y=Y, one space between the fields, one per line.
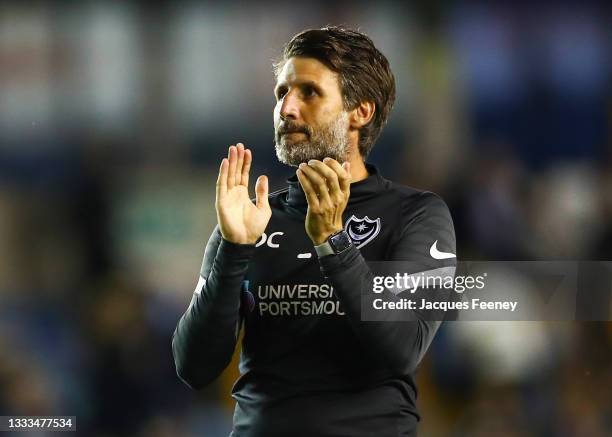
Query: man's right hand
x=240 y=220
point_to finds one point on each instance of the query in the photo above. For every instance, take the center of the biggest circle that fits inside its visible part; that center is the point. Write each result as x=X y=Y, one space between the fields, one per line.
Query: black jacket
x=310 y=366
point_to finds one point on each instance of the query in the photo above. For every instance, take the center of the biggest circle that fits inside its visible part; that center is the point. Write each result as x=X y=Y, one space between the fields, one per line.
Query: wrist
x=240 y=239
x=337 y=243
x=322 y=238
x=239 y=242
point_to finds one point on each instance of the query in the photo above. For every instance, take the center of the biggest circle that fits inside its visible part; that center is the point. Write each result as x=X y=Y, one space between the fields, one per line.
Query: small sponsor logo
x=201 y=283
x=437 y=254
x=269 y=240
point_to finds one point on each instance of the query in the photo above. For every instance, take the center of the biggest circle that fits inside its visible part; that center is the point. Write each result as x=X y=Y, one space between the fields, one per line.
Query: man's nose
x=290 y=106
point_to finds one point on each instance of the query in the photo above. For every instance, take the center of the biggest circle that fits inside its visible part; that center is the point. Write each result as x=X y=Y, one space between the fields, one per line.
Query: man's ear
x=362 y=114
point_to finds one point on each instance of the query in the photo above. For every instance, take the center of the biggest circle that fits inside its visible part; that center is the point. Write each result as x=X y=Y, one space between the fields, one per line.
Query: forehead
x=301 y=69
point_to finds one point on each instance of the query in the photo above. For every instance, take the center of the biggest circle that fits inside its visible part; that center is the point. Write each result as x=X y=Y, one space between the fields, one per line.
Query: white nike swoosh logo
x=436 y=254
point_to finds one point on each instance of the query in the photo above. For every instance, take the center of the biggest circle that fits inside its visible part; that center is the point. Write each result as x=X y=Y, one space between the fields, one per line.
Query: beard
x=330 y=140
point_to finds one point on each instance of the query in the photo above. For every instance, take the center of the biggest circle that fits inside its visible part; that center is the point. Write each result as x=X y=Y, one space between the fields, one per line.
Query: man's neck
x=359 y=171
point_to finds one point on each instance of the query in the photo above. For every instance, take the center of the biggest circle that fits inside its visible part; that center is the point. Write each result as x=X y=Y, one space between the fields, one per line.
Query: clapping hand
x=240 y=220
x=327 y=187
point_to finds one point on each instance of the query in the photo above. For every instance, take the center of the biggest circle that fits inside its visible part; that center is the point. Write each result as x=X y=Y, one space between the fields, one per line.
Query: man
x=291 y=268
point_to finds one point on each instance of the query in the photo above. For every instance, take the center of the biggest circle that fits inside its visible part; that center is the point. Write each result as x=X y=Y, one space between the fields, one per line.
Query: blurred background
x=114 y=117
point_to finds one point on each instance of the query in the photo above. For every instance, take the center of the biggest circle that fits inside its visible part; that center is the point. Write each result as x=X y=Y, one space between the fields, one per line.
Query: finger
x=331 y=178
x=317 y=181
x=310 y=187
x=233 y=160
x=347 y=167
x=240 y=152
x=344 y=178
x=246 y=168
x=261 y=192
x=309 y=191
x=222 y=179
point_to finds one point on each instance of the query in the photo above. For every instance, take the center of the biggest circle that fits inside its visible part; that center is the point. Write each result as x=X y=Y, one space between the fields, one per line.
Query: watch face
x=340 y=242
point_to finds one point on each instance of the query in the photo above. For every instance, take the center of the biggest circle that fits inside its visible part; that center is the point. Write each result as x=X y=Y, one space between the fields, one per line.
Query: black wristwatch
x=335 y=244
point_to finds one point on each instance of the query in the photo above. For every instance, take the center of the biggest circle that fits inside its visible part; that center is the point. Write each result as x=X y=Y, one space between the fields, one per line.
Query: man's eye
x=280 y=93
x=310 y=92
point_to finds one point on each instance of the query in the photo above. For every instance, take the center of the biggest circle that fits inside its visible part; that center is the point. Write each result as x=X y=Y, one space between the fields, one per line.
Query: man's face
x=309 y=118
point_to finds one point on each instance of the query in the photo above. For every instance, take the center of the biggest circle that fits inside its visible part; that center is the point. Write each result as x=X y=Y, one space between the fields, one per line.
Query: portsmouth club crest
x=362 y=230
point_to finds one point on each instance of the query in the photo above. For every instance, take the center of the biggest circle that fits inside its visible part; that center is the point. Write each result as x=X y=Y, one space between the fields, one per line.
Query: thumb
x=261 y=192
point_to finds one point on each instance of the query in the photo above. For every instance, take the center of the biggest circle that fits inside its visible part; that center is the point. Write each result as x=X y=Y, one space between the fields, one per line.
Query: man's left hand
x=327 y=187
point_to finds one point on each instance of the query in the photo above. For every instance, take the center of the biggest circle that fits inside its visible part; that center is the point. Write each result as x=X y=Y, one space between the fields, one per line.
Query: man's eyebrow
x=311 y=83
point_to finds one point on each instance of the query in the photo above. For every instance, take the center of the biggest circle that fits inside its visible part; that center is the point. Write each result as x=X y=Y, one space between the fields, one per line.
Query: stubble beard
x=330 y=140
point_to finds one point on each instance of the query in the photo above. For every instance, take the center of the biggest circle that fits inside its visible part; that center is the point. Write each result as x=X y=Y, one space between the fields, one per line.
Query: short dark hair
x=365 y=74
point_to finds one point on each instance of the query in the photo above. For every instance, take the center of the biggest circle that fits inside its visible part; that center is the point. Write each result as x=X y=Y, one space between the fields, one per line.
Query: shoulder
x=415 y=202
x=421 y=212
x=425 y=220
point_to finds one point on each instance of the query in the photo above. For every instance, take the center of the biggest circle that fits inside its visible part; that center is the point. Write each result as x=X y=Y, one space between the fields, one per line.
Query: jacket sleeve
x=206 y=334
x=399 y=342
